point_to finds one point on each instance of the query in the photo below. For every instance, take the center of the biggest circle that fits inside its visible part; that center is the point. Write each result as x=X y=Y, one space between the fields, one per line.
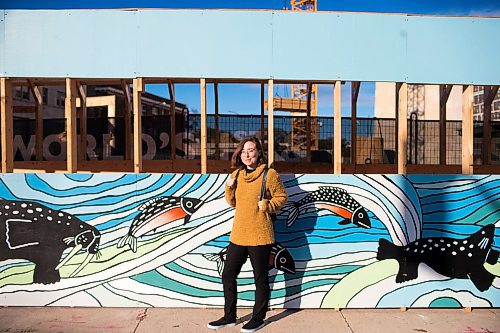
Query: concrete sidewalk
x=146 y=320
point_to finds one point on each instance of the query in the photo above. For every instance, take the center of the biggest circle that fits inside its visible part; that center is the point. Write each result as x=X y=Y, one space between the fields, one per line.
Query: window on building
x=22 y=92
x=496 y=106
x=45 y=96
x=61 y=96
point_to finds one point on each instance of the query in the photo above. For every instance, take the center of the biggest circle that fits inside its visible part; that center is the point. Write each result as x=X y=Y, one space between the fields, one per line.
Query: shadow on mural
x=349 y=241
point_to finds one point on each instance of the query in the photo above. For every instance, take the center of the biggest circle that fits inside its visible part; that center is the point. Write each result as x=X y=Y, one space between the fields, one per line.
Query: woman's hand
x=230 y=182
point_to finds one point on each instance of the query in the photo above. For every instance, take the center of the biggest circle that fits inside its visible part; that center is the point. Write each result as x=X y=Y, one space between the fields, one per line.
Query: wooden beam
x=270 y=123
x=467 y=129
x=444 y=94
x=262 y=115
x=489 y=95
x=216 y=106
x=308 y=123
x=127 y=111
x=355 y=85
x=337 y=128
x=203 y=134
x=70 y=115
x=6 y=125
x=82 y=100
x=24 y=108
x=138 y=89
x=402 y=97
x=173 y=145
x=38 y=120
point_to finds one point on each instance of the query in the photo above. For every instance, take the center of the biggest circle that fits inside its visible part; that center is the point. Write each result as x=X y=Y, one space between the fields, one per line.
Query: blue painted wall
x=249 y=44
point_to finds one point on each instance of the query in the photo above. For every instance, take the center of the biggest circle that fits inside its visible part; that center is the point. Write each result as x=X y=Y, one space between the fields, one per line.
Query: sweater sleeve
x=231 y=192
x=277 y=191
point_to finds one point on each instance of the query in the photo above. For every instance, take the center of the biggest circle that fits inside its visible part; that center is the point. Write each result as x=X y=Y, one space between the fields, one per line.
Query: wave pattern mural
x=357 y=241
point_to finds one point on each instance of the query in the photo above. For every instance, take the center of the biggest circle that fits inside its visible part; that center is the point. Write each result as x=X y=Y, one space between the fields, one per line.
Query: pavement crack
x=347 y=323
x=140 y=316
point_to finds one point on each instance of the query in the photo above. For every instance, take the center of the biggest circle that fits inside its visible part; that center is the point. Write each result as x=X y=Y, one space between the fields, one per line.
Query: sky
x=245 y=98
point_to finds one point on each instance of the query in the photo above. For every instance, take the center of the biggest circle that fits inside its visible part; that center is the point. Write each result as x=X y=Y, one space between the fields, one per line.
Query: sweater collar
x=250 y=177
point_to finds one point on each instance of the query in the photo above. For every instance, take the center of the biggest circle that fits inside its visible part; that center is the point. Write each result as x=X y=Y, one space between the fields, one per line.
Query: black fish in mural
x=333 y=199
x=280 y=259
x=34 y=232
x=158 y=215
x=455 y=258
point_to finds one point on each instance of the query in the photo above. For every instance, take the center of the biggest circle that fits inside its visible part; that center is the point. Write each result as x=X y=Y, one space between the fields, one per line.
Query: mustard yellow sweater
x=252 y=226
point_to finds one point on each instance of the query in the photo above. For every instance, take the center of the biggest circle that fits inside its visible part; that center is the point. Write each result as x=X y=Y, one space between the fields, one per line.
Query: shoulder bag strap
x=263 y=189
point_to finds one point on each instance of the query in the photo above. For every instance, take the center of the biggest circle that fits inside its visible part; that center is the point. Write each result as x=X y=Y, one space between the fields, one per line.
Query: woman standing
x=252 y=233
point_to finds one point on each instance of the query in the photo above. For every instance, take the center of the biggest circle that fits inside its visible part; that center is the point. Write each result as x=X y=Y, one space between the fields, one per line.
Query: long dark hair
x=237 y=163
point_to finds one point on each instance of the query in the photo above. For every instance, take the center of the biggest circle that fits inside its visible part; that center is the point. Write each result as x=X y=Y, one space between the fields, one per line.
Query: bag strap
x=263 y=188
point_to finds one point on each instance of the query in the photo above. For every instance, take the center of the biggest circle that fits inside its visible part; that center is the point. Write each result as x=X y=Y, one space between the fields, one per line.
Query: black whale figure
x=34 y=232
x=455 y=258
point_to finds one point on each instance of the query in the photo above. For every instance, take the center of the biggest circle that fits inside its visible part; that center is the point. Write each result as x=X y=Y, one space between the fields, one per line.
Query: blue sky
x=245 y=98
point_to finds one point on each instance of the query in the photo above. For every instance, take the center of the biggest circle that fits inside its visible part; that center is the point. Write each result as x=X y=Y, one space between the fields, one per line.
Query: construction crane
x=297 y=104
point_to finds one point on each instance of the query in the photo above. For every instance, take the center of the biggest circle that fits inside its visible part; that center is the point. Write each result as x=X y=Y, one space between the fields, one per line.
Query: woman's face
x=250 y=154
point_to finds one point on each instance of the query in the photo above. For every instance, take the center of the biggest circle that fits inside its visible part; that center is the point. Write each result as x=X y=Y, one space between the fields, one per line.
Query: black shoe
x=252 y=326
x=221 y=323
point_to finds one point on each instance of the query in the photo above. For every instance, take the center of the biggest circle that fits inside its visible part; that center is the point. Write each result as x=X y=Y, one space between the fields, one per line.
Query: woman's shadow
x=295 y=239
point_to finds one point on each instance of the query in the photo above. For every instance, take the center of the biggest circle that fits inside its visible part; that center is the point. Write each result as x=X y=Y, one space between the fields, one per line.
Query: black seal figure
x=34 y=232
x=455 y=258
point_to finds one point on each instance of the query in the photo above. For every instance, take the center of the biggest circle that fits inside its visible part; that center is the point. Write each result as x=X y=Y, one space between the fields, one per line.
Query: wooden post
x=203 y=108
x=337 y=128
x=82 y=92
x=270 y=122
x=126 y=118
x=70 y=115
x=138 y=89
x=216 y=106
x=402 y=97
x=489 y=95
x=262 y=115
x=38 y=120
x=354 y=114
x=467 y=129
x=308 y=123
x=444 y=94
x=6 y=125
x=173 y=145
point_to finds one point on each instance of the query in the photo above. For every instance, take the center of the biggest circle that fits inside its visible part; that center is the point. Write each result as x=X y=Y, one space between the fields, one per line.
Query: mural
x=349 y=241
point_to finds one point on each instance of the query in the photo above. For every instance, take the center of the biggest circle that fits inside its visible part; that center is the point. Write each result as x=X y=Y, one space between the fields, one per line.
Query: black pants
x=235 y=258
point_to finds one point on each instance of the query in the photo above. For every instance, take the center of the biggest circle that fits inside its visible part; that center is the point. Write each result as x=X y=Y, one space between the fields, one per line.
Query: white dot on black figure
x=454 y=253
x=422 y=251
x=41 y=215
x=50 y=211
x=30 y=211
x=441 y=240
x=38 y=209
x=15 y=212
x=465 y=241
x=49 y=218
x=449 y=245
x=416 y=250
x=35 y=219
x=429 y=240
x=471 y=246
x=425 y=245
x=60 y=214
x=67 y=223
x=416 y=243
x=6 y=207
x=442 y=249
x=24 y=205
x=81 y=226
x=482 y=232
x=436 y=245
x=69 y=217
x=407 y=249
x=469 y=254
x=462 y=248
x=58 y=221
x=455 y=242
